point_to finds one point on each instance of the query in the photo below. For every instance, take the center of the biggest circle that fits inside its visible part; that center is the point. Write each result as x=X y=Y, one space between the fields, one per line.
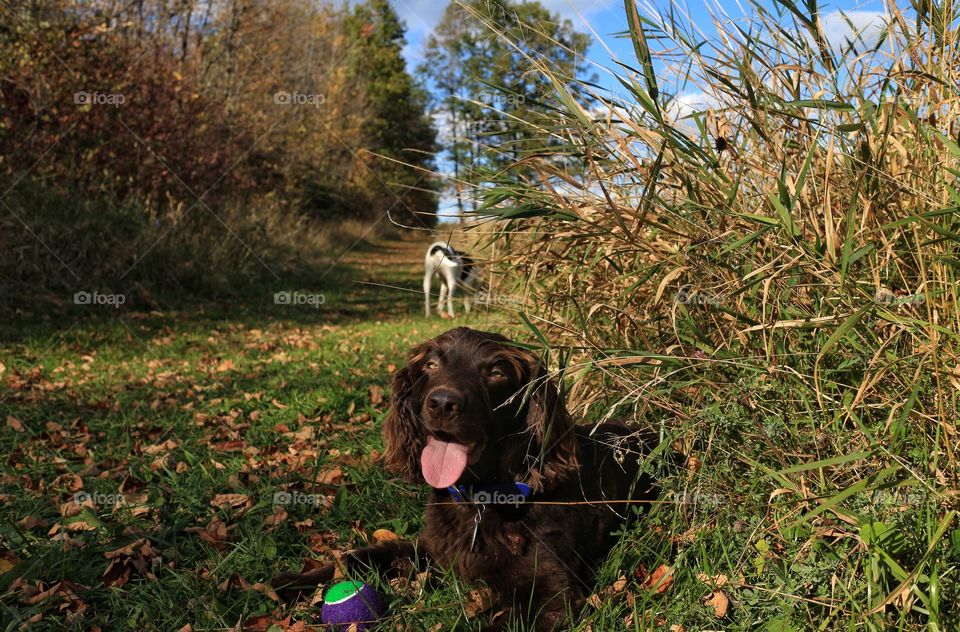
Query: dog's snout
x=445 y=402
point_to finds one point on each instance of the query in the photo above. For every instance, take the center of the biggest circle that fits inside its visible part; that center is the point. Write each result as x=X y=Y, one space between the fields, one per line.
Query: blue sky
x=605 y=20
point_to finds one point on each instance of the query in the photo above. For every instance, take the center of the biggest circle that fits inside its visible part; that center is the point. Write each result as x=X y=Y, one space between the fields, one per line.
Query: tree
x=478 y=64
x=399 y=133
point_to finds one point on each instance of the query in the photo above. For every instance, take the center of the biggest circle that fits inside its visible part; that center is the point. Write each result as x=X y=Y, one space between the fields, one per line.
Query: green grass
x=175 y=408
x=171 y=410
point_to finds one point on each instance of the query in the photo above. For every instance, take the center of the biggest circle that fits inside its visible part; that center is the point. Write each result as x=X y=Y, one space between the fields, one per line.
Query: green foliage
x=399 y=132
x=217 y=135
x=478 y=67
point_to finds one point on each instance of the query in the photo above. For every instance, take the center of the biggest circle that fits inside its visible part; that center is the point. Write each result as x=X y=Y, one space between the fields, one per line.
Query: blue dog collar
x=498 y=494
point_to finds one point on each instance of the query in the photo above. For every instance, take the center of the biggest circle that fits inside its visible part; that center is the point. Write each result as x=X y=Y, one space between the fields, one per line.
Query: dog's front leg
x=450 y=272
x=443 y=294
x=427 y=276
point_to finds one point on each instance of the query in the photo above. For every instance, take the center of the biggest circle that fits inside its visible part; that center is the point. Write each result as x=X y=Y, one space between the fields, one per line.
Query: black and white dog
x=455 y=269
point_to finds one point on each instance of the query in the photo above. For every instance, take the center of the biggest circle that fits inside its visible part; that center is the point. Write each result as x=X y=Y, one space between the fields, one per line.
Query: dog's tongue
x=442 y=463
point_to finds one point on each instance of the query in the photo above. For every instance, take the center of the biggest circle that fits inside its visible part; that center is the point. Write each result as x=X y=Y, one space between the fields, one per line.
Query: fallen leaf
x=716 y=581
x=660 y=579
x=478 y=600
x=15 y=424
x=214 y=533
x=376 y=395
x=266 y=590
x=384 y=535
x=31 y=522
x=71 y=481
x=719 y=602
x=135 y=558
x=333 y=476
x=159 y=448
x=80 y=525
x=225 y=501
x=278 y=516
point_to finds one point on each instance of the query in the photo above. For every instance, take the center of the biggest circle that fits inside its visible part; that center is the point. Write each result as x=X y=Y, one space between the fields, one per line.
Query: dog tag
x=476 y=526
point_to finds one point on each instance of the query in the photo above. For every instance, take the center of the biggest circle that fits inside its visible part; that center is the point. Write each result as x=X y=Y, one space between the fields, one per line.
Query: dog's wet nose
x=444 y=402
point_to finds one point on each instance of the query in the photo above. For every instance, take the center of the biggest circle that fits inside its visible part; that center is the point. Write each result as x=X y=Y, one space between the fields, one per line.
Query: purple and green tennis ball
x=351 y=602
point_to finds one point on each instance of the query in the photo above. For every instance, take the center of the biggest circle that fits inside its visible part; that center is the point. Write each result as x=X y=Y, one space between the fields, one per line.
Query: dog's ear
x=403 y=437
x=550 y=441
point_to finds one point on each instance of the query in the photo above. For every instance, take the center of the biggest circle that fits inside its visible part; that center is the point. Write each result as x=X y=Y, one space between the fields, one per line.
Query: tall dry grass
x=772 y=281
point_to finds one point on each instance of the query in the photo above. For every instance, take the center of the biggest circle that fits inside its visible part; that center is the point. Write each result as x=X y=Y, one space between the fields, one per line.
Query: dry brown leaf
x=31 y=522
x=278 y=516
x=71 y=481
x=15 y=424
x=225 y=501
x=80 y=525
x=332 y=476
x=266 y=590
x=214 y=533
x=719 y=602
x=384 y=535
x=72 y=508
x=660 y=579
x=135 y=558
x=160 y=448
x=716 y=581
x=478 y=600
x=376 y=395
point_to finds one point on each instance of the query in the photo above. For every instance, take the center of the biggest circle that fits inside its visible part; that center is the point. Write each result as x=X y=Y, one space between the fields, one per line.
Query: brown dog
x=519 y=491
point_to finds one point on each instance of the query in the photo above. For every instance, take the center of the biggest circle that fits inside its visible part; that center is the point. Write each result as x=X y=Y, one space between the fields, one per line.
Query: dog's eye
x=431 y=365
x=497 y=373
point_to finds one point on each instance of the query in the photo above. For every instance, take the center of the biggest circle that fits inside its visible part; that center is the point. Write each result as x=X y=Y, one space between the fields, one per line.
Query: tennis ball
x=351 y=603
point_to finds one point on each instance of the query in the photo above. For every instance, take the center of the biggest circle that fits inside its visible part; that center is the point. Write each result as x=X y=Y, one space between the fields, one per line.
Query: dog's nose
x=445 y=402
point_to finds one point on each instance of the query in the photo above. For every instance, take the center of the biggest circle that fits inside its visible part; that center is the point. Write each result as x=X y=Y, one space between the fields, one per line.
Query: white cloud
x=863 y=28
x=687 y=104
x=572 y=8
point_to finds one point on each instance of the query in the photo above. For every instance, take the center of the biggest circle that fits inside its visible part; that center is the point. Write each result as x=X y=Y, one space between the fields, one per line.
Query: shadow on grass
x=362 y=289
